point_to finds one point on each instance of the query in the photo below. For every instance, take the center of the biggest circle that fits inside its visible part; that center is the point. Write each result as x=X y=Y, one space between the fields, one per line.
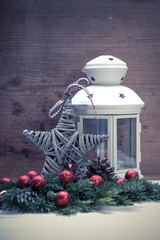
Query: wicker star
x=64 y=144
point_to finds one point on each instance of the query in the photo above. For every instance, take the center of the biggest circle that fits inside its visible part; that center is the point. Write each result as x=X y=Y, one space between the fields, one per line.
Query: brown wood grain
x=43 y=47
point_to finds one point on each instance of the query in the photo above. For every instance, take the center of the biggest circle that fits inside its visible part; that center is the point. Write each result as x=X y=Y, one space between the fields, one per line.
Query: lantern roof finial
x=105 y=70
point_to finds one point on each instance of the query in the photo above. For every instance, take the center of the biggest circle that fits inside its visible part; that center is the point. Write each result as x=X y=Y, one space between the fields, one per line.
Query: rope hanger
x=76 y=86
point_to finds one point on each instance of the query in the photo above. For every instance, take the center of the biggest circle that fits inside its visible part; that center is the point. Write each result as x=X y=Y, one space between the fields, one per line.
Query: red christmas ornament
x=66 y=177
x=32 y=174
x=63 y=199
x=38 y=182
x=121 y=180
x=131 y=174
x=5 y=180
x=24 y=181
x=98 y=180
x=70 y=165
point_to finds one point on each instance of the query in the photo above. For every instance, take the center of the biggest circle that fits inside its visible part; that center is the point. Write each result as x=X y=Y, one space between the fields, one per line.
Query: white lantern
x=117 y=110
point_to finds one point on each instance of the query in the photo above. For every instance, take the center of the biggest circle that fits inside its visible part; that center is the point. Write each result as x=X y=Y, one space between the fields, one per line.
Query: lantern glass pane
x=96 y=126
x=126 y=143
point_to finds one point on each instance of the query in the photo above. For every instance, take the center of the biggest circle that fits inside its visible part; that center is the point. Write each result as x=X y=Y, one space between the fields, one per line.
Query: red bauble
x=63 y=199
x=98 y=180
x=5 y=180
x=121 y=180
x=131 y=174
x=32 y=174
x=66 y=177
x=24 y=181
x=38 y=182
x=70 y=165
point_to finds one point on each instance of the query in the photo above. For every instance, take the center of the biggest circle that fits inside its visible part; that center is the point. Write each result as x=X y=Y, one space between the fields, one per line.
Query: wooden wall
x=43 y=47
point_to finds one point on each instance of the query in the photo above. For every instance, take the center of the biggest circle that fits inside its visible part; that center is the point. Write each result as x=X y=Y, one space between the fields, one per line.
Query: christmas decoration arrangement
x=63 y=195
x=68 y=184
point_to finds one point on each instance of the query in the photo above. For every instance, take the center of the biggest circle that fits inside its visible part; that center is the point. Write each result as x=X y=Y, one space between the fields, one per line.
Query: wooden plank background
x=43 y=47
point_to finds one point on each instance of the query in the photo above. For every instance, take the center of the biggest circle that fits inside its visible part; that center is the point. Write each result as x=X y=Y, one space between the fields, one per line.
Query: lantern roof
x=106 y=73
x=115 y=99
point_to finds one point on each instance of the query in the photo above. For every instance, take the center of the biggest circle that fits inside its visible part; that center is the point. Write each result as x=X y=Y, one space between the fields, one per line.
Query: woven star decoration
x=64 y=144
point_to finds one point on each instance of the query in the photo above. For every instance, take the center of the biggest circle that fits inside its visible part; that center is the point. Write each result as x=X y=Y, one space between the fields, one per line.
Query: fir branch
x=84 y=197
x=50 y=178
x=8 y=185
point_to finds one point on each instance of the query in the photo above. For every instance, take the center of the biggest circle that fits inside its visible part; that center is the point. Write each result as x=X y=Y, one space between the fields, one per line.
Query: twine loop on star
x=76 y=86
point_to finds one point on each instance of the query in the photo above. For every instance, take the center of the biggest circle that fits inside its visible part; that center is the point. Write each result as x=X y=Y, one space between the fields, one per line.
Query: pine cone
x=102 y=168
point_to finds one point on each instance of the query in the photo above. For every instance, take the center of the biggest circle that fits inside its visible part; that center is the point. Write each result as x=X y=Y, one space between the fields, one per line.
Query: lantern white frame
x=112 y=141
x=112 y=101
